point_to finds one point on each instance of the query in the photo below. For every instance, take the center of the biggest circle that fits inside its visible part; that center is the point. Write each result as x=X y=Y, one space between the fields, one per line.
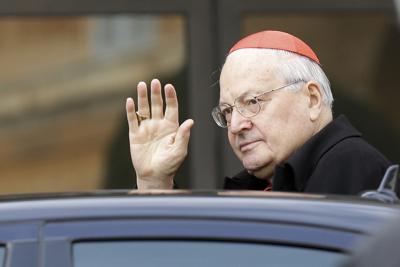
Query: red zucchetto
x=276 y=40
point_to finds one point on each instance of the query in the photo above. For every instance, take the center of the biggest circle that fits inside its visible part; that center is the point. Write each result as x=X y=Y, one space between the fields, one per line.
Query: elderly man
x=275 y=102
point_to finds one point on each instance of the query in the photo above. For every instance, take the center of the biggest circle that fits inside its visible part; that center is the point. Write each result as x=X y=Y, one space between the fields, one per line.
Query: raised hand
x=158 y=144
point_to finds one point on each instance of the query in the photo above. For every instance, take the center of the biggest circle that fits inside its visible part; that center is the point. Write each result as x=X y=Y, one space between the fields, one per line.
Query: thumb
x=183 y=134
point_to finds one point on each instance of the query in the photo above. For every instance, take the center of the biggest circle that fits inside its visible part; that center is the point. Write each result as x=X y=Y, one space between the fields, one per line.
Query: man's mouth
x=247 y=146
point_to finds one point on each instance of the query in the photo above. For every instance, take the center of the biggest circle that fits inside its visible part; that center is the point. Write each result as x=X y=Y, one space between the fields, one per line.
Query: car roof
x=342 y=213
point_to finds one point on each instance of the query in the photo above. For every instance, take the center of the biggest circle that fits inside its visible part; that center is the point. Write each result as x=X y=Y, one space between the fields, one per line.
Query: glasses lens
x=248 y=106
x=219 y=117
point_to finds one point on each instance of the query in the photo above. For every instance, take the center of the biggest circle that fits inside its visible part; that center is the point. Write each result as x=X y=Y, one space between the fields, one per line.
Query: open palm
x=158 y=144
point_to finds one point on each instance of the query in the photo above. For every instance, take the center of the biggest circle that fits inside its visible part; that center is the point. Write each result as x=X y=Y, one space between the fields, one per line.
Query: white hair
x=300 y=68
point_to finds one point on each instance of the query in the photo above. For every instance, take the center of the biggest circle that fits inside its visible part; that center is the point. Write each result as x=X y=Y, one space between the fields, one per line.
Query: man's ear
x=314 y=93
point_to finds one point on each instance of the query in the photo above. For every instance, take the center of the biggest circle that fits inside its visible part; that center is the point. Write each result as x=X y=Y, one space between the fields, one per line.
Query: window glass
x=197 y=253
x=359 y=53
x=63 y=85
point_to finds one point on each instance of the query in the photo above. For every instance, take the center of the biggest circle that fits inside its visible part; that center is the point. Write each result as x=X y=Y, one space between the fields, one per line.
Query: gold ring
x=141 y=117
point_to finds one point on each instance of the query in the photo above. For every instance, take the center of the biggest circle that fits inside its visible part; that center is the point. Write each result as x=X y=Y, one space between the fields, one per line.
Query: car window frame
x=21 y=243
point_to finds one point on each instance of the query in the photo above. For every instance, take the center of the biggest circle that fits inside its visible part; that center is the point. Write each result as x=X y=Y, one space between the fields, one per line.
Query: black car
x=181 y=228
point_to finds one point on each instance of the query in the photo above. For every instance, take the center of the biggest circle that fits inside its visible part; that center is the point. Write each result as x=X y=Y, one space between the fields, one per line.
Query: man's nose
x=238 y=122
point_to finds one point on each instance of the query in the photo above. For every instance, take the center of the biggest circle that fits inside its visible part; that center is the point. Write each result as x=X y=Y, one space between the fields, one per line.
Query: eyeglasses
x=247 y=105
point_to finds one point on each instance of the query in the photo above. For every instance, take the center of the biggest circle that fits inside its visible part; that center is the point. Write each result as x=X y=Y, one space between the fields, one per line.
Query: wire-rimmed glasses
x=247 y=105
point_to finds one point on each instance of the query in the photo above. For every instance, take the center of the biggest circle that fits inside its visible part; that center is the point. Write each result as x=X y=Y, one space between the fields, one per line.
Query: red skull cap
x=276 y=40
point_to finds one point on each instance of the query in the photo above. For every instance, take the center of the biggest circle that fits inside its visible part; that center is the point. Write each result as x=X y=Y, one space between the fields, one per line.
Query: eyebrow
x=252 y=93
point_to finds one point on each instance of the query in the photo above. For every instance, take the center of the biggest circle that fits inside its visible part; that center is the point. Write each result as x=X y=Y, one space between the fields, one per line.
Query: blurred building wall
x=63 y=85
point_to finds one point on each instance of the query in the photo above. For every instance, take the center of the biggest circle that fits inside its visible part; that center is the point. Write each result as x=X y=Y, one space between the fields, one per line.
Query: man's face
x=283 y=123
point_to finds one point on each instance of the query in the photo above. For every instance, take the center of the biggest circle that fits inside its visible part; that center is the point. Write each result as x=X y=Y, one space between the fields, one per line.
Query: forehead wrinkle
x=252 y=91
x=257 y=85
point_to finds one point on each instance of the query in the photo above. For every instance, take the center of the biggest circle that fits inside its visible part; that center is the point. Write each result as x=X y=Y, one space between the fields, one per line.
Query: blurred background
x=67 y=66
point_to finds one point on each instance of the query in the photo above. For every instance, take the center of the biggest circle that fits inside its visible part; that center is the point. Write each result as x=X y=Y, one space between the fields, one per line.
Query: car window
x=198 y=253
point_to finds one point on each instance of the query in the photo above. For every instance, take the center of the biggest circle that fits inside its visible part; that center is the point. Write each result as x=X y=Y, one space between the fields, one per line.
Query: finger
x=171 y=110
x=156 y=100
x=183 y=135
x=143 y=101
x=131 y=115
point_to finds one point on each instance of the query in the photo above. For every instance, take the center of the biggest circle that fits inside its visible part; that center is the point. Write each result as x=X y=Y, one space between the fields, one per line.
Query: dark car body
x=180 y=228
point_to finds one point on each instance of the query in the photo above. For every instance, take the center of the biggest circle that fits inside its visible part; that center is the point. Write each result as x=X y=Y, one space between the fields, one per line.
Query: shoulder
x=349 y=167
x=352 y=150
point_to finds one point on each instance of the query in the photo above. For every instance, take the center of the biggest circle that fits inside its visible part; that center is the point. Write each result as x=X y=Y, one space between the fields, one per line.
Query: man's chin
x=262 y=171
